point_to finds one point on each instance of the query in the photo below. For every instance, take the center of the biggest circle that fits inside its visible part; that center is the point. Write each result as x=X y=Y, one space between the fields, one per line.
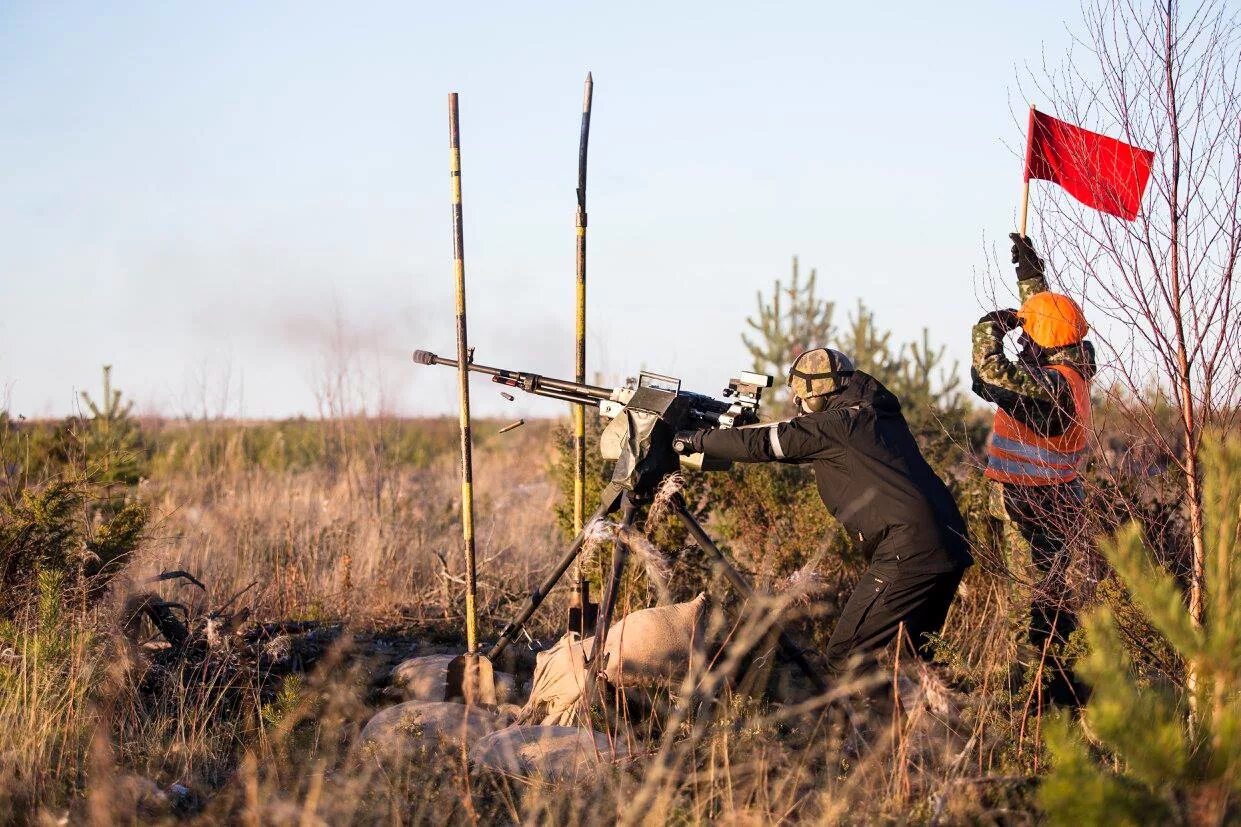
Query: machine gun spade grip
x=683 y=442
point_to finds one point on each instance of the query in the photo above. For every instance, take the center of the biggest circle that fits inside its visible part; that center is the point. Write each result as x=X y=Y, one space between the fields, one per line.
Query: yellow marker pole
x=463 y=382
x=1025 y=175
x=579 y=413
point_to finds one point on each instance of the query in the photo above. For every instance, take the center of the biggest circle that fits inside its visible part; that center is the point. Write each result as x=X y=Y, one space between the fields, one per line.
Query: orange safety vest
x=1019 y=455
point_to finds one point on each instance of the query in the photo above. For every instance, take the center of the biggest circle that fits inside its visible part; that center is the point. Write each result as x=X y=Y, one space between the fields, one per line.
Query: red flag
x=1099 y=171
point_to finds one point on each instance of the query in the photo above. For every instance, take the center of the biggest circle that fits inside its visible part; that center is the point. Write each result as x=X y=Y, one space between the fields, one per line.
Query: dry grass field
x=354 y=555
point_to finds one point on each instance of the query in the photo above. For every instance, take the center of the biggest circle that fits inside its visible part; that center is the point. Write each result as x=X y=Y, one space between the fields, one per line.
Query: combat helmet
x=819 y=372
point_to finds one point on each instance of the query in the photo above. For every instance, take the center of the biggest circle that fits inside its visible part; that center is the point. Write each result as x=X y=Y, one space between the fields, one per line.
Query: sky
x=240 y=205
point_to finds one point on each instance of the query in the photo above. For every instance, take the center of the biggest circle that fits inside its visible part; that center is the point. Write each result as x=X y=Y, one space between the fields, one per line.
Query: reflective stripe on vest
x=1017 y=468
x=1011 y=448
x=1020 y=455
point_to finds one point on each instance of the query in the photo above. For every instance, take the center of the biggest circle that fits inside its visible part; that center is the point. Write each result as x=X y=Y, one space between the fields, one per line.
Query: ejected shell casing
x=512 y=425
x=507 y=396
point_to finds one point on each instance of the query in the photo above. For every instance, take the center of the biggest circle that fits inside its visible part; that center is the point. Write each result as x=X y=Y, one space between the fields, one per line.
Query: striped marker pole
x=463 y=381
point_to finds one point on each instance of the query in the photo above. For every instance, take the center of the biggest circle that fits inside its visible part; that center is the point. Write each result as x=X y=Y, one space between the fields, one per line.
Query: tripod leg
x=790 y=649
x=607 y=504
x=607 y=603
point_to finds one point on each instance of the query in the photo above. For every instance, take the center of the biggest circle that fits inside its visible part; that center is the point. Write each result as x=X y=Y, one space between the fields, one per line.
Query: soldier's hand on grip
x=687 y=442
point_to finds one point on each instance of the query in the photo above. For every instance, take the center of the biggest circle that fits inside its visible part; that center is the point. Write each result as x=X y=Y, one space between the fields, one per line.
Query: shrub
x=1151 y=750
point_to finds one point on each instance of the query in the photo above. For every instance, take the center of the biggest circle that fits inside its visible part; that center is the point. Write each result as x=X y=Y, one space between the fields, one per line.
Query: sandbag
x=426 y=679
x=553 y=753
x=559 y=683
x=655 y=647
x=649 y=647
x=416 y=727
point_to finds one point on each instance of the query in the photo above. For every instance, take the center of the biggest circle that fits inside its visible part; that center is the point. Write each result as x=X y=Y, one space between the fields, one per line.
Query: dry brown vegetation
x=363 y=545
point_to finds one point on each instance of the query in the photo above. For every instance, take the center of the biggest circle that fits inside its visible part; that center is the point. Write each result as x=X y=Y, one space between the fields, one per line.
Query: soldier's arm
x=1031 y=277
x=1041 y=399
x=738 y=444
x=795 y=440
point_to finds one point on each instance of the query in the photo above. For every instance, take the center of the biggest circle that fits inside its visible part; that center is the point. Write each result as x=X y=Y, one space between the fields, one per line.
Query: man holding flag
x=1038 y=442
x=1039 y=437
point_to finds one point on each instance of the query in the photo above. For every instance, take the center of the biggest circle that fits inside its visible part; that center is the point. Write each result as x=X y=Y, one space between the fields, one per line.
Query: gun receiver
x=649 y=396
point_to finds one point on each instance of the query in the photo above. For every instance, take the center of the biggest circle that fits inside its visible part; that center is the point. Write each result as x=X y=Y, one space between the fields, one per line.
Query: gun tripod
x=616 y=497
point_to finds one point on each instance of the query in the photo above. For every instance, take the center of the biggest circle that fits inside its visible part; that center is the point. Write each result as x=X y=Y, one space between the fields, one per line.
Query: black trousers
x=881 y=603
x=1045 y=516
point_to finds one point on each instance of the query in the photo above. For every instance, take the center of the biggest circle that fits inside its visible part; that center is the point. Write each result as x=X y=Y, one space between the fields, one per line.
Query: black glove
x=1006 y=319
x=688 y=442
x=1027 y=261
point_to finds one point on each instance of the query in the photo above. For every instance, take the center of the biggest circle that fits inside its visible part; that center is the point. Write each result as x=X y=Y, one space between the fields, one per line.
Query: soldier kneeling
x=874 y=480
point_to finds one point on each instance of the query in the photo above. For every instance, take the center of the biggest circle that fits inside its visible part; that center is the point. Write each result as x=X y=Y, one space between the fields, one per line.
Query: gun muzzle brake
x=424 y=357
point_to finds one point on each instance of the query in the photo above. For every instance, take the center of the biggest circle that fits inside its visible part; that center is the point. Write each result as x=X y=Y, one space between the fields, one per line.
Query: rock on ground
x=426 y=678
x=554 y=753
x=136 y=795
x=419 y=726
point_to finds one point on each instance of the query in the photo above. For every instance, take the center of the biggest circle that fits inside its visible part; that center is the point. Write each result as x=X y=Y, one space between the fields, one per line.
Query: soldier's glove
x=1006 y=319
x=688 y=442
x=1029 y=265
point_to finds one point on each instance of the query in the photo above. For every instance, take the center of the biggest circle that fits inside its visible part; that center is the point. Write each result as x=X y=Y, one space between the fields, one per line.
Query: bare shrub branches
x=1161 y=290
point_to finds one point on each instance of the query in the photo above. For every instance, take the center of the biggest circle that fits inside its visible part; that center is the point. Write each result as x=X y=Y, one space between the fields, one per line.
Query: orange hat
x=1052 y=320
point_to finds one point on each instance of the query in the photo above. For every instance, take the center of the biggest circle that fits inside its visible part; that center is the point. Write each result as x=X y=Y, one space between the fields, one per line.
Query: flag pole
x=1025 y=176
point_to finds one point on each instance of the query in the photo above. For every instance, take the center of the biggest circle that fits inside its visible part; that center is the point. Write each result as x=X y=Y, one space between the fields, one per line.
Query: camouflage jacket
x=1031 y=393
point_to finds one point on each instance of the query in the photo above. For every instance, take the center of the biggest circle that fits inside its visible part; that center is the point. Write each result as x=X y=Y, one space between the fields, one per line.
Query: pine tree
x=1161 y=753
x=794 y=320
x=917 y=382
x=930 y=393
x=112 y=440
x=869 y=347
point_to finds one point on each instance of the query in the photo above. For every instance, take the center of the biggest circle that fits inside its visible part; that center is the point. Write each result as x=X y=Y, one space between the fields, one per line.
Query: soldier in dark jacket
x=1038 y=445
x=873 y=479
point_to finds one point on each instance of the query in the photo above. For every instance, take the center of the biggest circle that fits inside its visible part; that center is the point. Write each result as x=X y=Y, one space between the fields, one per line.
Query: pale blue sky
x=195 y=192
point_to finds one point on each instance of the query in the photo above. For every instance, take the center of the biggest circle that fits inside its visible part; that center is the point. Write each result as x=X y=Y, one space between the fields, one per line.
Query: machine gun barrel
x=576 y=392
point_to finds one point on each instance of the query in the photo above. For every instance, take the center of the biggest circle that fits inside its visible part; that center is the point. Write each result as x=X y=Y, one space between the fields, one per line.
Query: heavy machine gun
x=651 y=402
x=645 y=415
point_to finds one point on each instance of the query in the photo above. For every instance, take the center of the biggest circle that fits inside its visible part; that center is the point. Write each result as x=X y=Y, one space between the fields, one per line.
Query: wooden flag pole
x=1025 y=175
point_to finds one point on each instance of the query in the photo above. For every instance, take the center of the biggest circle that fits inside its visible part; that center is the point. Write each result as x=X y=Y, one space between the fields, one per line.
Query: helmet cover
x=818 y=372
